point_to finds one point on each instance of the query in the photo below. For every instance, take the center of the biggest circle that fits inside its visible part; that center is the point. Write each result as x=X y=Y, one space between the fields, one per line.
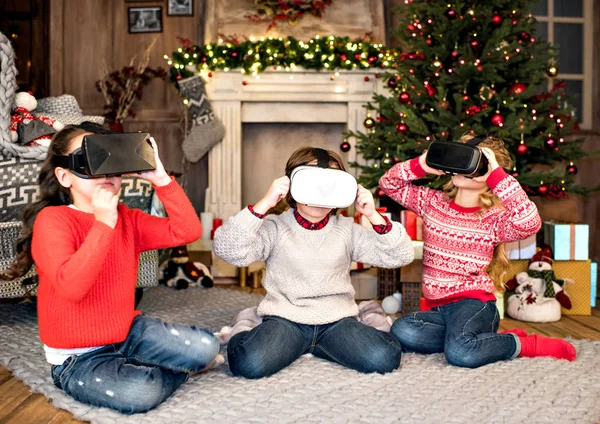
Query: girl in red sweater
x=464 y=229
x=86 y=247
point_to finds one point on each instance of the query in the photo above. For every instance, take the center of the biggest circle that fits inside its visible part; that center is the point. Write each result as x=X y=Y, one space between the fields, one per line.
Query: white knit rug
x=424 y=390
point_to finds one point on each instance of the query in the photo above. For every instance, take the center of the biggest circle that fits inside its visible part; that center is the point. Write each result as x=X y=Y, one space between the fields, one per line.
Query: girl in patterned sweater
x=464 y=229
x=86 y=247
x=309 y=306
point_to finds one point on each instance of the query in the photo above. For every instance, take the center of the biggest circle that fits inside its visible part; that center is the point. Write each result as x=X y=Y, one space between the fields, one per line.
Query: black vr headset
x=457 y=158
x=110 y=154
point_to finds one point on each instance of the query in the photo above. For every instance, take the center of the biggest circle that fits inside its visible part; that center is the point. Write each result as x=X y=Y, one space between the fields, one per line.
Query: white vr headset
x=319 y=185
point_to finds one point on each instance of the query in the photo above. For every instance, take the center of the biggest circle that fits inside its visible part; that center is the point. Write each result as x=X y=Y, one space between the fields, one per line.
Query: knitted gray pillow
x=60 y=105
x=72 y=119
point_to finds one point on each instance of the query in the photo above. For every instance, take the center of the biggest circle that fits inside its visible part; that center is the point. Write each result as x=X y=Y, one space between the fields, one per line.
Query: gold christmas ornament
x=552 y=71
x=368 y=122
x=486 y=93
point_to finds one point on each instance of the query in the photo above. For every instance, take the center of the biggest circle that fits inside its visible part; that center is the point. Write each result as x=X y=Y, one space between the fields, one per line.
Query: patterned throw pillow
x=18 y=186
x=137 y=193
x=60 y=105
x=72 y=119
x=9 y=232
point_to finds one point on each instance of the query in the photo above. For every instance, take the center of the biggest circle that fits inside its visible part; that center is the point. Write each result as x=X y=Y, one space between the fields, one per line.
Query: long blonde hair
x=487 y=199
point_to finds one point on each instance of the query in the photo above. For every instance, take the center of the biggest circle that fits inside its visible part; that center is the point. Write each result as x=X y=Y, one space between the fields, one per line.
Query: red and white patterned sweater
x=459 y=242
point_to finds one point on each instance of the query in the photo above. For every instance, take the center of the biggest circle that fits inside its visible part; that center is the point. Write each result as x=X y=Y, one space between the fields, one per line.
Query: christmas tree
x=474 y=67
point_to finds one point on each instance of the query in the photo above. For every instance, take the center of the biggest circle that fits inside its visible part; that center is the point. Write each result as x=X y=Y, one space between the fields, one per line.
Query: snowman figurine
x=538 y=294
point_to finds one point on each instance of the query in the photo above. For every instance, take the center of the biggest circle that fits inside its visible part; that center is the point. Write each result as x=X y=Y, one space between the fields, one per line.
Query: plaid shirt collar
x=310 y=225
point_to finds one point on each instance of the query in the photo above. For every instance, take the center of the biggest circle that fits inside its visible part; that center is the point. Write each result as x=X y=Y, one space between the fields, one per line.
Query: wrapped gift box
x=500 y=303
x=579 y=292
x=568 y=241
x=523 y=249
x=594 y=283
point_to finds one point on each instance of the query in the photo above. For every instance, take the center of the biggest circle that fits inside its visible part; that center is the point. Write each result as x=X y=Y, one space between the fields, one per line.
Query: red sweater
x=88 y=271
x=459 y=242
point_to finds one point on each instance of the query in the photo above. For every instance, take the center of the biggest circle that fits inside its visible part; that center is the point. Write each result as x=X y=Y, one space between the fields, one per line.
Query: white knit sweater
x=308 y=271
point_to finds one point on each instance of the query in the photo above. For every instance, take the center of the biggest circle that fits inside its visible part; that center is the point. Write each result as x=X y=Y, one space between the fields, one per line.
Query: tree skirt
x=425 y=389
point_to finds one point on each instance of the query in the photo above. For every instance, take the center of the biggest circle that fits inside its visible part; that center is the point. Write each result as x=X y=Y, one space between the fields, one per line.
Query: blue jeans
x=465 y=331
x=277 y=342
x=141 y=372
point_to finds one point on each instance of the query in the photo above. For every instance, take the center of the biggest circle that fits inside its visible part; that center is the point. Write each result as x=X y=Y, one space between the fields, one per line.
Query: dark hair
x=305 y=155
x=51 y=193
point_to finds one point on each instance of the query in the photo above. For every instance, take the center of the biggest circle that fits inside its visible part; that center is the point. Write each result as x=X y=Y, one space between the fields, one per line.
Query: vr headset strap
x=322 y=158
x=475 y=141
x=73 y=161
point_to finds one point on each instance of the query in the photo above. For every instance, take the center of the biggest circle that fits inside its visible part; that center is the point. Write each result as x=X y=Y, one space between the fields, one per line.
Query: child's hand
x=104 y=206
x=365 y=205
x=278 y=190
x=492 y=163
x=427 y=168
x=158 y=176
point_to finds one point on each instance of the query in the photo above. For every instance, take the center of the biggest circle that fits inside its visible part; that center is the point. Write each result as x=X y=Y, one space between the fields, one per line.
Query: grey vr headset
x=322 y=186
x=109 y=154
x=457 y=158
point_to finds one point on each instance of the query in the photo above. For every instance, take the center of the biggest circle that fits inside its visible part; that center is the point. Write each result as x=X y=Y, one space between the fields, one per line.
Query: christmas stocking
x=207 y=130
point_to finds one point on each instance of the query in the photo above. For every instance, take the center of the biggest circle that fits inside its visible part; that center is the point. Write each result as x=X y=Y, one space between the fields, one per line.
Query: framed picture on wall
x=180 y=8
x=144 y=19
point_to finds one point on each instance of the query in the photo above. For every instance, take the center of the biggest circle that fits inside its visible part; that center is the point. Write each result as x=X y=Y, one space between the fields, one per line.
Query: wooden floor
x=19 y=405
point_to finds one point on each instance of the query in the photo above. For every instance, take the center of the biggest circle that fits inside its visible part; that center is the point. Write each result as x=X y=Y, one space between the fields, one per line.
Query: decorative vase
x=116 y=126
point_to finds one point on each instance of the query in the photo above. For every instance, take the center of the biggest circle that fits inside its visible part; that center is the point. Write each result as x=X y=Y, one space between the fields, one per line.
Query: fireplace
x=278 y=97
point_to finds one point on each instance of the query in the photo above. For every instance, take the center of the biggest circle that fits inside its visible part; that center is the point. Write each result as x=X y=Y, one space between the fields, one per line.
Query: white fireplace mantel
x=277 y=96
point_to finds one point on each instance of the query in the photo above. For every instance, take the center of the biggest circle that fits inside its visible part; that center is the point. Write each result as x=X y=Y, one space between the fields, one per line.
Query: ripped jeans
x=141 y=372
x=465 y=331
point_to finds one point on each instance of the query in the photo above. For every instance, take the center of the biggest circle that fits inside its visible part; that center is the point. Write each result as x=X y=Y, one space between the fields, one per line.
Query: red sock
x=536 y=345
x=516 y=331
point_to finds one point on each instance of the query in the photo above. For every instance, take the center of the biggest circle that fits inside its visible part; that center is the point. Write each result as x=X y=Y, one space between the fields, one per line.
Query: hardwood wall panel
x=86 y=34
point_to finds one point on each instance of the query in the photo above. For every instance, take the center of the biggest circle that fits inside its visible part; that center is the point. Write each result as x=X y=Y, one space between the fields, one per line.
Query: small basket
x=411 y=297
x=388 y=282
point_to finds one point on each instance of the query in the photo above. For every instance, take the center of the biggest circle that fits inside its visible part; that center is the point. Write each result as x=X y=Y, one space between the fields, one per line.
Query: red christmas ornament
x=430 y=90
x=514 y=174
x=410 y=27
x=178 y=77
x=497 y=119
x=454 y=54
x=550 y=142
x=524 y=36
x=497 y=19
x=429 y=41
x=572 y=169
x=396 y=160
x=210 y=74
x=376 y=74
x=475 y=44
x=392 y=83
x=244 y=82
x=465 y=97
x=367 y=79
x=343 y=57
x=404 y=97
x=543 y=189
x=517 y=88
x=345 y=146
x=357 y=56
x=401 y=128
x=522 y=149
